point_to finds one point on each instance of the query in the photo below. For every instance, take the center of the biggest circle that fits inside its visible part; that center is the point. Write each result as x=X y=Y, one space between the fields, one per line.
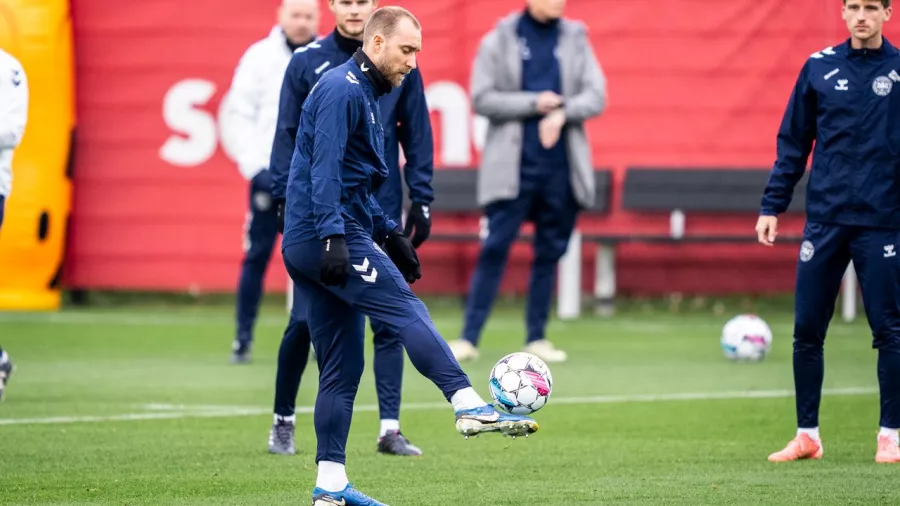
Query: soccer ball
x=521 y=383
x=746 y=337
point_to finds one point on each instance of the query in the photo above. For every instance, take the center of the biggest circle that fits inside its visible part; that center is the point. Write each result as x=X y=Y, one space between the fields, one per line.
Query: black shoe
x=394 y=443
x=240 y=352
x=281 y=438
x=6 y=370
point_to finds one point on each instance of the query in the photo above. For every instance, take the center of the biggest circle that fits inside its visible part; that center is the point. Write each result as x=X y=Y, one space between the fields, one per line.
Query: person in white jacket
x=249 y=114
x=13 y=116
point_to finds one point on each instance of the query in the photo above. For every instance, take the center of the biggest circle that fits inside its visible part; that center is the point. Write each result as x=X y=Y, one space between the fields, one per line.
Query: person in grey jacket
x=536 y=79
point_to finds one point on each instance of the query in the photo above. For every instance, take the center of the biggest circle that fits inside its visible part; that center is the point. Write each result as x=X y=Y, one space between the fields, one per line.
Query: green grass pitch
x=139 y=406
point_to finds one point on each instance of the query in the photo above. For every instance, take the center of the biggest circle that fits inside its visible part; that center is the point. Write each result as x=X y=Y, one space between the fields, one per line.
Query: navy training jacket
x=843 y=101
x=405 y=119
x=339 y=159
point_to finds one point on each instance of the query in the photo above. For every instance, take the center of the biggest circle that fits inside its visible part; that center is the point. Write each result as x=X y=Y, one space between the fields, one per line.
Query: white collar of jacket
x=276 y=35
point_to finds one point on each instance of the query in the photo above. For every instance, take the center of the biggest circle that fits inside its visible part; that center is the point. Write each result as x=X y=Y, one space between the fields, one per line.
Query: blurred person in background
x=250 y=110
x=536 y=79
x=406 y=123
x=844 y=104
x=13 y=117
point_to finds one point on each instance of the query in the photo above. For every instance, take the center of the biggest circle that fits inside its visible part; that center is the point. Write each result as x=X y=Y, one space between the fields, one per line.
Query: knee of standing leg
x=886 y=341
x=257 y=259
x=549 y=254
x=808 y=333
x=495 y=250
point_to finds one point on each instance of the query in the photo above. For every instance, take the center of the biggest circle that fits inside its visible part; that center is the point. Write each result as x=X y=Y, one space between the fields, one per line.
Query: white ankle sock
x=892 y=433
x=279 y=418
x=812 y=433
x=388 y=426
x=466 y=398
x=332 y=476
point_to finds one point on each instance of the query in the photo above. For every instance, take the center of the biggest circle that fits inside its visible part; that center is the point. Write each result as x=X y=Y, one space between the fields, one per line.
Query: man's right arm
x=294 y=91
x=487 y=99
x=795 y=140
x=335 y=113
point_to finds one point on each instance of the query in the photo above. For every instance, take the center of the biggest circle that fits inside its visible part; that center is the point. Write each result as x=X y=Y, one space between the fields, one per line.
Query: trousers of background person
x=545 y=199
x=827 y=251
x=260 y=233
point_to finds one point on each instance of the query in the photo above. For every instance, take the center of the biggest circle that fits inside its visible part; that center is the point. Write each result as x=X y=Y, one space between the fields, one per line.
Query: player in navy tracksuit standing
x=406 y=106
x=843 y=101
x=332 y=226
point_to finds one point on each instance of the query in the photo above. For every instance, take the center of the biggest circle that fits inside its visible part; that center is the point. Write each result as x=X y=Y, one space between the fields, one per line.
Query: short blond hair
x=385 y=21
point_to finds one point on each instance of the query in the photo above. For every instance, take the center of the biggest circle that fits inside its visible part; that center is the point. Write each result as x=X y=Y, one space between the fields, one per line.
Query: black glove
x=279 y=214
x=335 y=266
x=419 y=217
x=403 y=254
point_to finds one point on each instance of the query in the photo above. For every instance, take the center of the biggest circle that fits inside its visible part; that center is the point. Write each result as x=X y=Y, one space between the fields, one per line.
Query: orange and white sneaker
x=888 y=451
x=800 y=448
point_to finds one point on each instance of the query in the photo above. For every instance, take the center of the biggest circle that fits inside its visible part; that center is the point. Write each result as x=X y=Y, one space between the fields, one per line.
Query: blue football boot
x=472 y=422
x=347 y=497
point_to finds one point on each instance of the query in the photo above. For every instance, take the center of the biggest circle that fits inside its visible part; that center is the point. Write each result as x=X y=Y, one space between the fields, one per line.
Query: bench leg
x=605 y=280
x=569 y=280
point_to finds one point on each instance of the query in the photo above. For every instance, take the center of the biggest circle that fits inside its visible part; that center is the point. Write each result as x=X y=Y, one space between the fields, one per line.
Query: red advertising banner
x=159 y=202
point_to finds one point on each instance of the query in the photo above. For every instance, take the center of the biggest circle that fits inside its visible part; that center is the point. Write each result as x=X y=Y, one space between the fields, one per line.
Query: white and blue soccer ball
x=746 y=338
x=521 y=383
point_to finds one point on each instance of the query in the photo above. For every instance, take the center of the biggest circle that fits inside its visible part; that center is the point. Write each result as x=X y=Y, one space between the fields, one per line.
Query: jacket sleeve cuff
x=327 y=232
x=387 y=227
x=768 y=211
x=421 y=198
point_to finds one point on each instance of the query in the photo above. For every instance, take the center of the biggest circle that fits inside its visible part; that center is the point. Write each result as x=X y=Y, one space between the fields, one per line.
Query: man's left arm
x=13 y=107
x=415 y=136
x=591 y=101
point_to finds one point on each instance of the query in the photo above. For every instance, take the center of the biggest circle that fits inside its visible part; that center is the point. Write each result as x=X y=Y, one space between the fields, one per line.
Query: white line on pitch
x=180 y=319
x=176 y=411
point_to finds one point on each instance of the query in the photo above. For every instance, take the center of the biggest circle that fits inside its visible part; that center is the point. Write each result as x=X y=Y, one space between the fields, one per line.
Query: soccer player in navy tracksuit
x=332 y=225
x=406 y=106
x=844 y=101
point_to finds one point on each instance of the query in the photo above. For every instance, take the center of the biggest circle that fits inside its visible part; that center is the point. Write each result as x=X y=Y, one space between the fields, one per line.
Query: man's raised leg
x=824 y=256
x=376 y=287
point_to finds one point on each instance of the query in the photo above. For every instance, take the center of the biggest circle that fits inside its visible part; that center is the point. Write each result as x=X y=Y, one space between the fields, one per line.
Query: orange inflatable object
x=32 y=241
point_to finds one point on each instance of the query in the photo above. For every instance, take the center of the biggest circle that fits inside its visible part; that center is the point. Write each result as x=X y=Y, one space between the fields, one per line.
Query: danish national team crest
x=807 y=250
x=882 y=86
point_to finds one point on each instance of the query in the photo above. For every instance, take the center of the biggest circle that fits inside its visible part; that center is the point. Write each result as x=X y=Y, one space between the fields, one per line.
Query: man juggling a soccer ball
x=844 y=102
